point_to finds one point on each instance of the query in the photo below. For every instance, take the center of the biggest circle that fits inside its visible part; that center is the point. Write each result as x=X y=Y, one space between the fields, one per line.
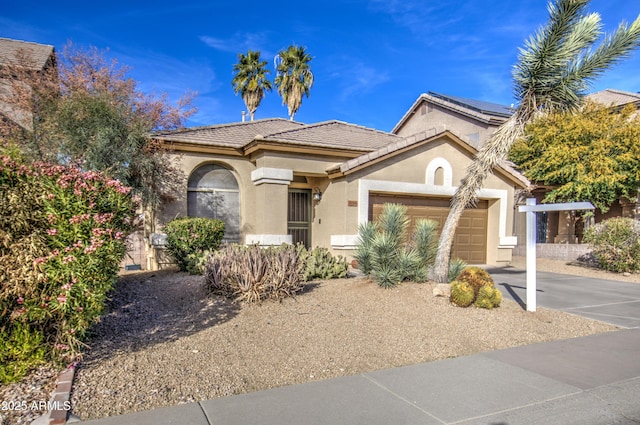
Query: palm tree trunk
x=492 y=154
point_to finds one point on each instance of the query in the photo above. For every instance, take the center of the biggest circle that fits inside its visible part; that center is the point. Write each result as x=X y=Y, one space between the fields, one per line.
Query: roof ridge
x=27 y=42
x=618 y=91
x=227 y=125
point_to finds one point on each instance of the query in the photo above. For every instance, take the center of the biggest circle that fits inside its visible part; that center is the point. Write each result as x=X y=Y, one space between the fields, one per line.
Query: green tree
x=554 y=70
x=250 y=80
x=591 y=155
x=294 y=77
x=88 y=113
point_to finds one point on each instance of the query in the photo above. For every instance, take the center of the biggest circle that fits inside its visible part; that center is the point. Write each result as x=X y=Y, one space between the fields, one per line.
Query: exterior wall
x=264 y=181
x=475 y=131
x=406 y=173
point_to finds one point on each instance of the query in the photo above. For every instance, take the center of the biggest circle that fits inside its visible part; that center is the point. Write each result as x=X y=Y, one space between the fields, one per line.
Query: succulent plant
x=462 y=293
x=488 y=297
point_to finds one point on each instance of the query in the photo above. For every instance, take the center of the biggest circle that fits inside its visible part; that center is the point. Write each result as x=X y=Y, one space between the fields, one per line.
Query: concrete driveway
x=609 y=301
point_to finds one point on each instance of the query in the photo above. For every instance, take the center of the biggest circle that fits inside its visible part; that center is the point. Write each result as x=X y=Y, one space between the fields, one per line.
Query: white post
x=531 y=257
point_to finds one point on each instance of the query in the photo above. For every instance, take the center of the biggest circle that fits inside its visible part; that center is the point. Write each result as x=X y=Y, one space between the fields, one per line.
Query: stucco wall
x=460 y=124
x=406 y=173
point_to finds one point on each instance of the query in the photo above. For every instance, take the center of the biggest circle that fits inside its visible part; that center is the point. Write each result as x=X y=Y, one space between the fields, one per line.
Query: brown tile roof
x=611 y=97
x=234 y=135
x=415 y=139
x=335 y=134
x=40 y=54
x=329 y=134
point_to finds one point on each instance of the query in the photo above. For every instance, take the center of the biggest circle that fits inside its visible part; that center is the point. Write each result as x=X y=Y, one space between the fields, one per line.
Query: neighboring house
x=562 y=227
x=275 y=181
x=17 y=56
x=474 y=120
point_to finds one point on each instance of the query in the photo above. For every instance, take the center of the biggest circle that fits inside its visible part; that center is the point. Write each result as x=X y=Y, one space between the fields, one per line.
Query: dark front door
x=299 y=216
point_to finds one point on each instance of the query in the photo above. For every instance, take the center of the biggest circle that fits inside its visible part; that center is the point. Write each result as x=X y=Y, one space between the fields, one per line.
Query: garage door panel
x=470 y=238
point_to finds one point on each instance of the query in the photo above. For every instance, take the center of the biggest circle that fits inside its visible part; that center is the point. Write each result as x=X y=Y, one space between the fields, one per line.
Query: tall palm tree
x=250 y=80
x=554 y=70
x=294 y=77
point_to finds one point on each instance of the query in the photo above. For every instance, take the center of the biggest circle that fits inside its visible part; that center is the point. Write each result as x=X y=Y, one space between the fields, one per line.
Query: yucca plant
x=366 y=232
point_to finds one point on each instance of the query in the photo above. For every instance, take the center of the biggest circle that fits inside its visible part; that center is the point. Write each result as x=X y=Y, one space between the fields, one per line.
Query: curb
x=60 y=402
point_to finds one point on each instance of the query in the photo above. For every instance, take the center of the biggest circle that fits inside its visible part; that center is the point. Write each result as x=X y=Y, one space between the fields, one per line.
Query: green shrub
x=320 y=264
x=475 y=285
x=21 y=350
x=189 y=239
x=615 y=244
x=62 y=238
x=252 y=274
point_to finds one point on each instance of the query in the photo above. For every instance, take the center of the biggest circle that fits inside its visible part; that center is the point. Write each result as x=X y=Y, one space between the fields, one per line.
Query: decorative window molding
x=264 y=175
x=432 y=168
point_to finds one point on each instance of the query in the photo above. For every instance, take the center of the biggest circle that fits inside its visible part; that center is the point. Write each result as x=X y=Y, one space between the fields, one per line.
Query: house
x=565 y=227
x=477 y=120
x=19 y=59
x=474 y=120
x=275 y=181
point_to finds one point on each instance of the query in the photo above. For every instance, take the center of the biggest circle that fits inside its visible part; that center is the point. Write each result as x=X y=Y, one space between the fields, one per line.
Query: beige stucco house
x=558 y=233
x=275 y=181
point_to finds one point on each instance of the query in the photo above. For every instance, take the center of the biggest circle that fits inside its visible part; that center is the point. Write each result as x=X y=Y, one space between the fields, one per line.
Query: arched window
x=213 y=192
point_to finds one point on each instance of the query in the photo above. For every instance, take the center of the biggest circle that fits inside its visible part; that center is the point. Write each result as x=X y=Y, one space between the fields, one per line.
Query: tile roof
x=486 y=112
x=234 y=135
x=407 y=142
x=611 y=97
x=336 y=134
x=329 y=134
x=38 y=53
x=478 y=105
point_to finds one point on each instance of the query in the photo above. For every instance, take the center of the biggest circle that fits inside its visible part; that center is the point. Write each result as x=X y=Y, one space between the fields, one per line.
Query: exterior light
x=317 y=195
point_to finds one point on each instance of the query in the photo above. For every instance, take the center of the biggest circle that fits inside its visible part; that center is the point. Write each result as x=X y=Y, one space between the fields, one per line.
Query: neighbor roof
x=38 y=54
x=611 y=97
x=328 y=134
x=486 y=112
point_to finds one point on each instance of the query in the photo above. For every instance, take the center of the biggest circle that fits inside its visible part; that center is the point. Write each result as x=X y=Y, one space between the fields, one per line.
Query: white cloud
x=355 y=77
x=239 y=42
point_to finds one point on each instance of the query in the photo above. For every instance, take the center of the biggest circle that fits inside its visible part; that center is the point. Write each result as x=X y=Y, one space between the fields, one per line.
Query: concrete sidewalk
x=586 y=381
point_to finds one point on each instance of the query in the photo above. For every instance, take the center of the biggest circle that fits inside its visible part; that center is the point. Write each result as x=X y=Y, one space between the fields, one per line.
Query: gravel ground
x=164 y=342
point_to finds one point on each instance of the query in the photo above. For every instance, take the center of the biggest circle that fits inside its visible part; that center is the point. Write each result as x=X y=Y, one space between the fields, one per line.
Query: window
x=213 y=192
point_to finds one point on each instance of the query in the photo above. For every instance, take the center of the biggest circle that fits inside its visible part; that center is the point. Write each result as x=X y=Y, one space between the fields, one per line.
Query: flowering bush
x=62 y=238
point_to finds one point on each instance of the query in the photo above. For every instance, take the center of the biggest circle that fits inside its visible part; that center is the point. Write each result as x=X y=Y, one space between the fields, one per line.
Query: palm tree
x=250 y=80
x=554 y=70
x=294 y=77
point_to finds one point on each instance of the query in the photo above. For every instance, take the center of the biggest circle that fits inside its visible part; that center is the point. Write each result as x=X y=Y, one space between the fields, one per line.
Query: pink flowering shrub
x=62 y=238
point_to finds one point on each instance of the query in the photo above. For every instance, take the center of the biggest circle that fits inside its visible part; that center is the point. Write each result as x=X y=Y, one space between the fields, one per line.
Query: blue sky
x=372 y=58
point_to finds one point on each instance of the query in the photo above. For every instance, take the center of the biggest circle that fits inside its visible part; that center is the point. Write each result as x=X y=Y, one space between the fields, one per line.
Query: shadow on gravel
x=150 y=308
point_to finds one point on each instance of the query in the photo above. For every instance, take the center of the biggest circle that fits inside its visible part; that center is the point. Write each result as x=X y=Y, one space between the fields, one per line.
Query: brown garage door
x=470 y=242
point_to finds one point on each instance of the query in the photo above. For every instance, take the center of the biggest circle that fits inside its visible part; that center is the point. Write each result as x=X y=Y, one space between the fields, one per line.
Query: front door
x=299 y=216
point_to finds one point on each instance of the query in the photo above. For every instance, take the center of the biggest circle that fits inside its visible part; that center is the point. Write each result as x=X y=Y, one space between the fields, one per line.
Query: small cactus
x=476 y=277
x=488 y=297
x=462 y=293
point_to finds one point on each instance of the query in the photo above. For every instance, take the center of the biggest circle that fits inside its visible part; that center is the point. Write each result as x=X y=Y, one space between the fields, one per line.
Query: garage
x=470 y=241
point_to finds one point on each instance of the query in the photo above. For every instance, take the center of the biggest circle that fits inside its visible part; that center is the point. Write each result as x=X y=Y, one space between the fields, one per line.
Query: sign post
x=531 y=208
